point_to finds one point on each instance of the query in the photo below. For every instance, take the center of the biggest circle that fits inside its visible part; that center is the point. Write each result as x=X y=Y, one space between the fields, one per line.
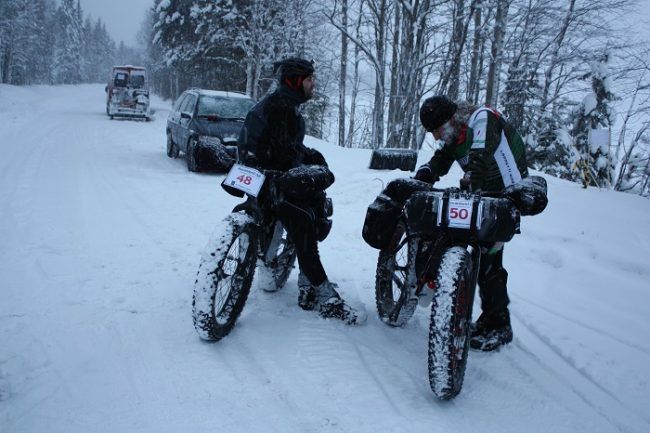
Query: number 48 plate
x=245 y=179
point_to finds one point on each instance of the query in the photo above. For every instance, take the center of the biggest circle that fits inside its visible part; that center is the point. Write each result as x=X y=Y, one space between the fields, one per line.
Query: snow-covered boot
x=307 y=296
x=332 y=306
x=491 y=332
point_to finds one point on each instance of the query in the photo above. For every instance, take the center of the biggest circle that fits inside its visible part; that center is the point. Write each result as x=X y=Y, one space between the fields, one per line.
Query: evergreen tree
x=14 y=34
x=552 y=149
x=40 y=61
x=592 y=126
x=87 y=51
x=67 y=51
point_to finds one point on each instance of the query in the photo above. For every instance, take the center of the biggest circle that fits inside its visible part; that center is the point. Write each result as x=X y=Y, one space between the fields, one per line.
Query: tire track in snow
x=328 y=352
x=571 y=381
x=582 y=395
x=598 y=331
x=390 y=368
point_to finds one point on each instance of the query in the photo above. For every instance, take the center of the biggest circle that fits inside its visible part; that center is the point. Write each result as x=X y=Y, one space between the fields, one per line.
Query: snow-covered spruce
x=449 y=327
x=224 y=277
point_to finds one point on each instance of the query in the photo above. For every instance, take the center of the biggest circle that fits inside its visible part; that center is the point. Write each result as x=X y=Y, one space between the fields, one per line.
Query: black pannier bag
x=499 y=220
x=493 y=219
x=383 y=214
x=529 y=195
x=305 y=181
x=381 y=220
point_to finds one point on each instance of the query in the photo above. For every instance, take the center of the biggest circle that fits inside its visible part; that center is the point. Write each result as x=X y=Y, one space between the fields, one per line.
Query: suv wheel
x=190 y=155
x=172 y=150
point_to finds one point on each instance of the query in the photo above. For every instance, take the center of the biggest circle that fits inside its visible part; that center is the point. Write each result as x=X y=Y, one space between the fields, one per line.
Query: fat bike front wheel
x=224 y=278
x=451 y=312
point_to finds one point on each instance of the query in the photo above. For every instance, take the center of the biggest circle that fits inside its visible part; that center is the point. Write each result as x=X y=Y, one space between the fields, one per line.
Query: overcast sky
x=123 y=18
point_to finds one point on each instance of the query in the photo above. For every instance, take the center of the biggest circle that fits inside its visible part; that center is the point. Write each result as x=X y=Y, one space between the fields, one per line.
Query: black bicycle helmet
x=436 y=111
x=293 y=67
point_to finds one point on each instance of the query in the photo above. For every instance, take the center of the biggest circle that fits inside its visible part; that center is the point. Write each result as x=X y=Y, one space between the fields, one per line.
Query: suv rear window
x=121 y=79
x=137 y=81
x=223 y=107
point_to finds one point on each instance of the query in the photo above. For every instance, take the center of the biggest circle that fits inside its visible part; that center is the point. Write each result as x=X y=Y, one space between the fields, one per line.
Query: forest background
x=571 y=75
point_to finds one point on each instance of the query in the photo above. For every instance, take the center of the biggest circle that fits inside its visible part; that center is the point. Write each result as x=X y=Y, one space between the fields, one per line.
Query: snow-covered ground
x=100 y=239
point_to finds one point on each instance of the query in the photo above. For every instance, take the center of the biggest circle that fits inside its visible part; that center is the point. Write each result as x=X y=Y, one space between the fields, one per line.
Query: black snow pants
x=492 y=282
x=301 y=223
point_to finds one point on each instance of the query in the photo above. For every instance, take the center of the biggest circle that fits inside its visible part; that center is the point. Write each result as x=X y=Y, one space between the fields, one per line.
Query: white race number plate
x=459 y=213
x=245 y=179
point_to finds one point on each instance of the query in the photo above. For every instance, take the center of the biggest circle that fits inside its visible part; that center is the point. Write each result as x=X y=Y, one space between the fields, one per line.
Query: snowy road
x=100 y=236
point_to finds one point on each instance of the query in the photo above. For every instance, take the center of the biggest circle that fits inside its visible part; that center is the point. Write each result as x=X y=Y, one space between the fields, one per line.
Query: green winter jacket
x=488 y=149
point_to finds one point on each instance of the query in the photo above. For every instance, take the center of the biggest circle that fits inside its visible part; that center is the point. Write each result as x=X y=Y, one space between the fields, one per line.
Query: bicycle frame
x=270 y=228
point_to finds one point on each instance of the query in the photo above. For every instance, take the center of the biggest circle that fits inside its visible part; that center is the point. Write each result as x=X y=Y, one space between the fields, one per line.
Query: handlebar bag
x=529 y=195
x=492 y=219
x=305 y=181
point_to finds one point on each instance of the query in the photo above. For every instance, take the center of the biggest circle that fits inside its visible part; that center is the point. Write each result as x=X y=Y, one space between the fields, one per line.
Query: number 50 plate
x=459 y=213
x=245 y=179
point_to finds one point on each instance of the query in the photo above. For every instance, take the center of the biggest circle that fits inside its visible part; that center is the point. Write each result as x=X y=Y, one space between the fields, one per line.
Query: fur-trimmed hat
x=436 y=111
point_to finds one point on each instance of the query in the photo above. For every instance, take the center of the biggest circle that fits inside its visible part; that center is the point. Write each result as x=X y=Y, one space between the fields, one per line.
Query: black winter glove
x=425 y=174
x=314 y=157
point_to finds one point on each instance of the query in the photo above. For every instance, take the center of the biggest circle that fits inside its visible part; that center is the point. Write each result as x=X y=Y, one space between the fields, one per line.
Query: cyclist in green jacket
x=493 y=157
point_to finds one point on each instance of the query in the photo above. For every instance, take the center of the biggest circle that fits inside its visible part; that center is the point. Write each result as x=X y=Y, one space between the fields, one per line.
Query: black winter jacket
x=273 y=133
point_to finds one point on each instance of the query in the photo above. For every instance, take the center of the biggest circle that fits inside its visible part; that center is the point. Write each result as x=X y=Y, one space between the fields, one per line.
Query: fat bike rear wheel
x=224 y=278
x=395 y=279
x=451 y=312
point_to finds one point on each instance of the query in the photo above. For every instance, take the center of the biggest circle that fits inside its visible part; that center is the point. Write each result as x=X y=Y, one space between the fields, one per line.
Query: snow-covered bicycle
x=250 y=237
x=430 y=248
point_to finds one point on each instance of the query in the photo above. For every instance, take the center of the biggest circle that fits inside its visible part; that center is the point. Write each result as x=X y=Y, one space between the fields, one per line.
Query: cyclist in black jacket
x=272 y=139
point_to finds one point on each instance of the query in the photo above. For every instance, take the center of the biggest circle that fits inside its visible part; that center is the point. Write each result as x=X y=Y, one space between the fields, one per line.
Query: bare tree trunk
x=548 y=73
x=646 y=177
x=496 y=52
x=457 y=43
x=476 y=46
x=461 y=26
x=5 y=62
x=394 y=102
x=381 y=14
x=249 y=77
x=257 y=73
x=481 y=61
x=621 y=142
x=377 y=59
x=355 y=85
x=628 y=155
x=414 y=43
x=353 y=99
x=343 y=72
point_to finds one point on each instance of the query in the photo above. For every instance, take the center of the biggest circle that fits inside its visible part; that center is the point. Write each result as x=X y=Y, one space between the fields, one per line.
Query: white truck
x=127 y=93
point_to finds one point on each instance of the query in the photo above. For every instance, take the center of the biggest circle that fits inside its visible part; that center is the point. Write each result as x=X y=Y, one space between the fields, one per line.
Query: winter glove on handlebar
x=313 y=157
x=425 y=174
